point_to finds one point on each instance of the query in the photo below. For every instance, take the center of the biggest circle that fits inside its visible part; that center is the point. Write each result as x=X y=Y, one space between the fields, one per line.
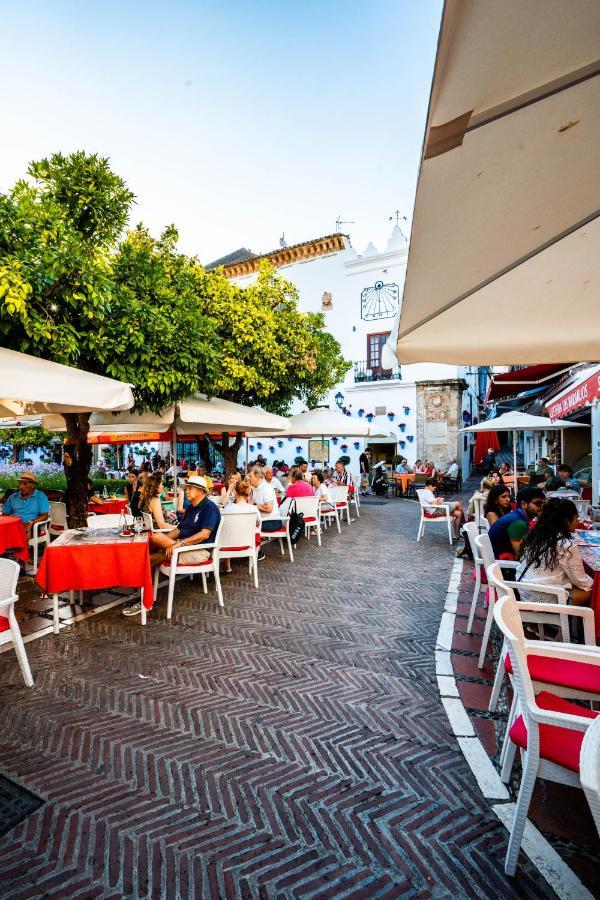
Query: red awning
x=484 y=441
x=578 y=395
x=508 y=384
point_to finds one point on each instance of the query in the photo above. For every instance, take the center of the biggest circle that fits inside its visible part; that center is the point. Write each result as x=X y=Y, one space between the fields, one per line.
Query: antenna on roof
x=397 y=217
x=339 y=223
x=282 y=240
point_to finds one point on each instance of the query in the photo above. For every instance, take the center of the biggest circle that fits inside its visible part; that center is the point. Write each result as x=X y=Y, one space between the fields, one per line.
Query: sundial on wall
x=379 y=301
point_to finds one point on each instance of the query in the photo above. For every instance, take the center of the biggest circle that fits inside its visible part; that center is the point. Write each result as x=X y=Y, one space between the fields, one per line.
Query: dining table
x=13 y=537
x=404 y=479
x=114 y=506
x=82 y=559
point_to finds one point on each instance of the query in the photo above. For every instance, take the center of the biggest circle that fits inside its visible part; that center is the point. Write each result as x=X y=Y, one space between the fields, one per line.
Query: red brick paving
x=291 y=744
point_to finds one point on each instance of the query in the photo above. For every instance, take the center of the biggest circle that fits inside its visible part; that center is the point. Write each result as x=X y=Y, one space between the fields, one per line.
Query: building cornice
x=285 y=256
x=399 y=257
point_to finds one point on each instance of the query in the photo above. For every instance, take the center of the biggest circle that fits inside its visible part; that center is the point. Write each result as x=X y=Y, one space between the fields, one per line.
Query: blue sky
x=235 y=121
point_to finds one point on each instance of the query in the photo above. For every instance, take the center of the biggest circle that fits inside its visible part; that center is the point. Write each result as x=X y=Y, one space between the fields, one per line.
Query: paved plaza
x=292 y=744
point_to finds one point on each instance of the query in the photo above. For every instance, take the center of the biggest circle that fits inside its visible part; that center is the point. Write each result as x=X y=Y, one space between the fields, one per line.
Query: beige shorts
x=192 y=557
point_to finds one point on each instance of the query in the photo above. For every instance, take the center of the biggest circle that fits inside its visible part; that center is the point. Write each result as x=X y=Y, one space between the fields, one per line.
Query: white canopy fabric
x=34 y=387
x=325 y=422
x=194 y=416
x=504 y=265
x=518 y=421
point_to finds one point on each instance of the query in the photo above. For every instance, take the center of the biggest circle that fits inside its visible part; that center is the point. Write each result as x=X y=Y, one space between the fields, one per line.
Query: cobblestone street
x=292 y=744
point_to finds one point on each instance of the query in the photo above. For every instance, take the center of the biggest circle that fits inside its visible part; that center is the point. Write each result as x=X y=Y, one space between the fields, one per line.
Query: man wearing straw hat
x=27 y=503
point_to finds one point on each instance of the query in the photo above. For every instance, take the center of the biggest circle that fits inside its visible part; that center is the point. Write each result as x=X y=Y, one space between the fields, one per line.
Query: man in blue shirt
x=198 y=526
x=507 y=533
x=27 y=503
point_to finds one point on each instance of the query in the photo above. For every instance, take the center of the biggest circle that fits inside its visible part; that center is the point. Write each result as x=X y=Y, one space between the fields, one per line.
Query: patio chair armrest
x=559 y=719
x=562 y=609
x=584 y=653
x=45 y=523
x=187 y=547
x=554 y=590
x=7 y=601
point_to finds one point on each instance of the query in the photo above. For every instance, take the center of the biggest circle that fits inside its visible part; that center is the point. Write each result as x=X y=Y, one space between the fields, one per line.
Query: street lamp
x=339 y=399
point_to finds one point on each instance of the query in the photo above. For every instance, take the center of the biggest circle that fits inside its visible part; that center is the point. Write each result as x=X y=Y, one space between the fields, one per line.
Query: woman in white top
x=243 y=496
x=321 y=490
x=549 y=555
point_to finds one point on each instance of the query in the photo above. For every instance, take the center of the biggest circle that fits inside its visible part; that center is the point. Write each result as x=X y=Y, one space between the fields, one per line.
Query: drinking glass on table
x=138 y=525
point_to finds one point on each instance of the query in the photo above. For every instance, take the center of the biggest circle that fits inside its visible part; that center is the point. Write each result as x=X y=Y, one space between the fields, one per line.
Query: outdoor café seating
x=280 y=535
x=178 y=566
x=40 y=537
x=339 y=496
x=238 y=539
x=589 y=769
x=431 y=519
x=9 y=627
x=309 y=507
x=548 y=730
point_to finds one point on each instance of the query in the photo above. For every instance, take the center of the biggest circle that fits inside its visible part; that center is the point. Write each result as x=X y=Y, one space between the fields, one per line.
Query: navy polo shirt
x=197 y=518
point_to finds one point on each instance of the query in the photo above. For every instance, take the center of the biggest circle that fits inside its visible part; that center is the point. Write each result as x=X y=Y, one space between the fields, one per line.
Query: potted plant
x=251 y=448
x=298 y=449
x=406 y=410
x=410 y=437
x=345 y=460
x=391 y=416
x=334 y=440
x=402 y=444
x=402 y=426
x=280 y=444
x=370 y=416
x=344 y=447
x=361 y=412
x=356 y=445
x=271 y=449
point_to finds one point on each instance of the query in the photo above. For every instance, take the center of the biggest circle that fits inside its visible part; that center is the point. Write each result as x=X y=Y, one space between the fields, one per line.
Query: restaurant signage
x=580 y=395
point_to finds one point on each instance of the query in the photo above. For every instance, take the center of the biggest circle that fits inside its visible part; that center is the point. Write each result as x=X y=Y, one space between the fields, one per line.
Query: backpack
x=296 y=526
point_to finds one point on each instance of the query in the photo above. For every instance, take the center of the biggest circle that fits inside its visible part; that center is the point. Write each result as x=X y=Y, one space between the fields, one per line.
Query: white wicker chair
x=354 y=496
x=9 y=627
x=178 y=566
x=339 y=496
x=280 y=535
x=548 y=730
x=309 y=507
x=471 y=531
x=329 y=512
x=238 y=538
x=149 y=524
x=589 y=769
x=58 y=518
x=40 y=536
x=447 y=518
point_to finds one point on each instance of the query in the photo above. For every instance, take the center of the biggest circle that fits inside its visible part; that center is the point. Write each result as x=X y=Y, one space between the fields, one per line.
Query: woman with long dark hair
x=549 y=555
x=497 y=503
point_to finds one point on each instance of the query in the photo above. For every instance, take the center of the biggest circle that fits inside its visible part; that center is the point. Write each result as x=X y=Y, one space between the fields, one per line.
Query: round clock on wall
x=379 y=301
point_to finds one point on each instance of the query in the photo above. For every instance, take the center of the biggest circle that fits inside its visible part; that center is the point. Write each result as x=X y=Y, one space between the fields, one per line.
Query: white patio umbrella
x=503 y=266
x=326 y=422
x=31 y=386
x=518 y=421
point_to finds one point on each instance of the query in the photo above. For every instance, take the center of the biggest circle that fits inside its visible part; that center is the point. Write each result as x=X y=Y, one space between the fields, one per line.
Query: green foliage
x=270 y=351
x=48 y=481
x=27 y=438
x=345 y=460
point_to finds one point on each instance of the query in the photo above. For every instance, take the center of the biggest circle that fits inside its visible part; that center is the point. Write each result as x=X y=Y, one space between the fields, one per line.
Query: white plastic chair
x=589 y=769
x=238 y=539
x=548 y=730
x=329 y=511
x=447 y=518
x=178 y=566
x=471 y=531
x=339 y=496
x=149 y=524
x=485 y=551
x=58 y=518
x=280 y=535
x=111 y=520
x=354 y=497
x=40 y=535
x=9 y=627
x=309 y=507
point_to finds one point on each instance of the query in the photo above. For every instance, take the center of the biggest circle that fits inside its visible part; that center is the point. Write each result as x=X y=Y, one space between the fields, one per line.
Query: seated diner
x=432 y=503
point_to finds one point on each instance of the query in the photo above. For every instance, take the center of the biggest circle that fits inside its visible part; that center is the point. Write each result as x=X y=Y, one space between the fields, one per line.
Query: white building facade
x=420 y=407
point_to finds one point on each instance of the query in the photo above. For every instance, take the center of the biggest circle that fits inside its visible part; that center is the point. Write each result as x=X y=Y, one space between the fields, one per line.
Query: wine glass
x=138 y=525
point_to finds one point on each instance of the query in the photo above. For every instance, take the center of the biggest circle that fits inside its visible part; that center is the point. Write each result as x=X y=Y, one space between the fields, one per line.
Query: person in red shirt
x=299 y=487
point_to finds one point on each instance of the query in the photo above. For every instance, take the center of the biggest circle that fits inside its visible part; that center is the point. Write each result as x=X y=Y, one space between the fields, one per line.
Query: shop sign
x=579 y=396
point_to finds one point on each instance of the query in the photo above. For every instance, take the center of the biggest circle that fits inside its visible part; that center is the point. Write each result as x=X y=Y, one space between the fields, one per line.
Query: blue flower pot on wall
x=370 y=417
x=409 y=437
x=344 y=447
x=290 y=440
x=402 y=426
x=334 y=440
x=251 y=448
x=361 y=413
x=356 y=445
x=280 y=444
x=298 y=449
x=391 y=416
x=271 y=449
x=402 y=444
x=259 y=445
x=406 y=410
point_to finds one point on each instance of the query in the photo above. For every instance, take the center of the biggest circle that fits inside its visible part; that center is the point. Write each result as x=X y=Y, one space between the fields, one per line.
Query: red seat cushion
x=271 y=533
x=557 y=744
x=432 y=515
x=567 y=673
x=4 y=624
x=182 y=565
x=308 y=519
x=233 y=549
x=344 y=503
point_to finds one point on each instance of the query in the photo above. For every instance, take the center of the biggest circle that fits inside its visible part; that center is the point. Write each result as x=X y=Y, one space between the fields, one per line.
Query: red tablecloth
x=109 y=506
x=72 y=567
x=13 y=537
x=595 y=600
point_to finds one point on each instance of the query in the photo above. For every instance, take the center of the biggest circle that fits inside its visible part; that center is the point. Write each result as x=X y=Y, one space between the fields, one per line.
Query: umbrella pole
x=175 y=466
x=246 y=454
x=515 y=484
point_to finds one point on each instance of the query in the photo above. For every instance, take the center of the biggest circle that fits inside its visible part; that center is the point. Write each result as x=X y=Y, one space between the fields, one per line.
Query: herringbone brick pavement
x=289 y=745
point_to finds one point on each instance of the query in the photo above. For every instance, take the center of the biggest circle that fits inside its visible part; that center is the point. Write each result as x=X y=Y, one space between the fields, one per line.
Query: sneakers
x=132 y=609
x=261 y=555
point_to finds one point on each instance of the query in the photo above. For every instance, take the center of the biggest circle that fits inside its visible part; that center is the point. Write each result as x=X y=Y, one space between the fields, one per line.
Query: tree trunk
x=78 y=471
x=228 y=452
x=204 y=453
